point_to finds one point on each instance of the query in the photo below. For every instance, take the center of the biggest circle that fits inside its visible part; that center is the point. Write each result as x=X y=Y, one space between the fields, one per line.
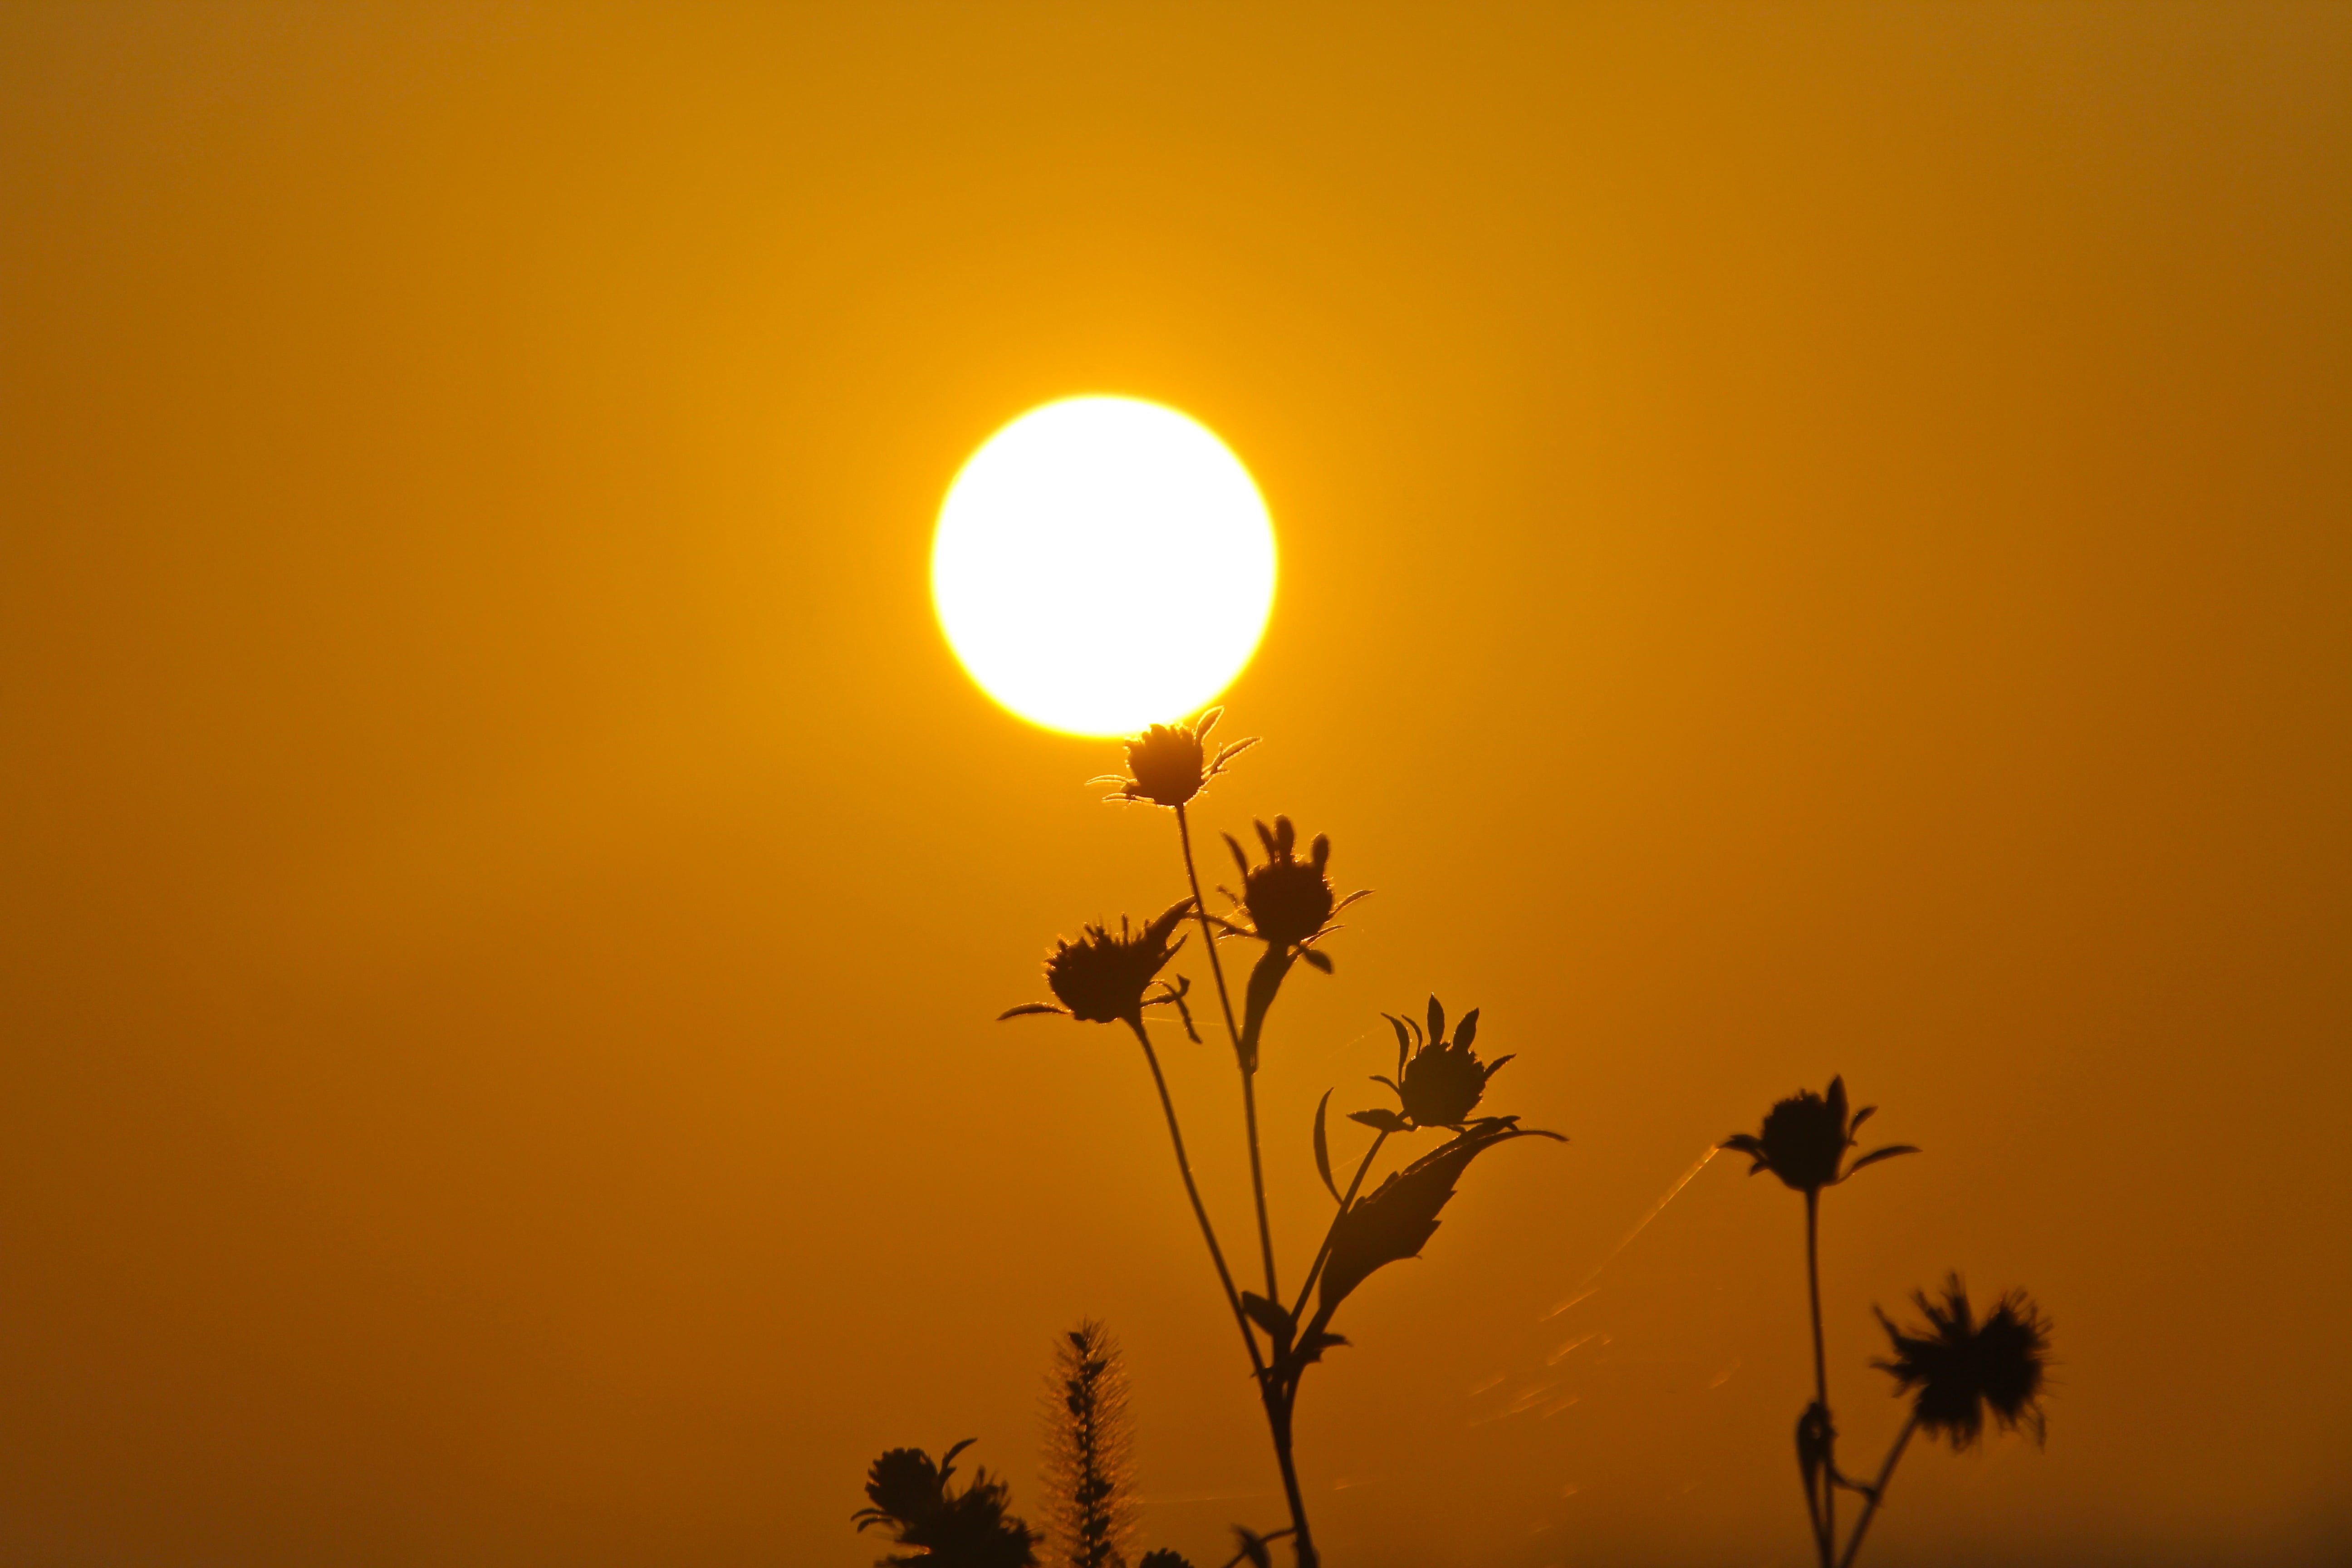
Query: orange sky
x=1813 y=539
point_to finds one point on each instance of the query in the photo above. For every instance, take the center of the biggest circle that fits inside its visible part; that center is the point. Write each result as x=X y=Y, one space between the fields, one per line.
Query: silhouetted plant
x=1090 y=1512
x=1959 y=1367
x=1287 y=903
x=1955 y=1370
x=913 y=1501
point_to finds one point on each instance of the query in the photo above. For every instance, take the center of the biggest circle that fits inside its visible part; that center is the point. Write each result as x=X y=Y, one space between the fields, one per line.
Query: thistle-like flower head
x=1106 y=976
x=1168 y=764
x=1439 y=1083
x=1805 y=1138
x=1962 y=1368
x=1289 y=902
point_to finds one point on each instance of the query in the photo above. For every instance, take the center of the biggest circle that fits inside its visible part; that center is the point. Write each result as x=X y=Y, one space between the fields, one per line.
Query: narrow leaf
x=1314 y=960
x=1240 y=859
x=1404 y=1045
x=1467 y=1030
x=1323 y=1146
x=1027 y=1007
x=1437 y=1021
x=1877 y=1155
x=1386 y=1121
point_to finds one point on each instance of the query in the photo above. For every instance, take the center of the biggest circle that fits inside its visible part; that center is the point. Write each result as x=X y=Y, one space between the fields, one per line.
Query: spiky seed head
x=1102 y=976
x=1957 y=1368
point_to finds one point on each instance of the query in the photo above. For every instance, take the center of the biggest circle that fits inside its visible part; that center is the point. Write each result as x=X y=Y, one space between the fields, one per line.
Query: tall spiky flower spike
x=1090 y=1508
x=1168 y=764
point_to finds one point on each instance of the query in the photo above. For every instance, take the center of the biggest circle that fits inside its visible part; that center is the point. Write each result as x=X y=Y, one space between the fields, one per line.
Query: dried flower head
x=1439 y=1083
x=1288 y=902
x=1168 y=764
x=1805 y=1138
x=916 y=1507
x=1962 y=1368
x=1105 y=977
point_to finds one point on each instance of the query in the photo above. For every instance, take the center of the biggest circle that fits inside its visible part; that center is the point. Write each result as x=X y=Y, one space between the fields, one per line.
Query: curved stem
x=1307 y=1287
x=1233 y=1030
x=1827 y=1538
x=1199 y=1210
x=1877 y=1492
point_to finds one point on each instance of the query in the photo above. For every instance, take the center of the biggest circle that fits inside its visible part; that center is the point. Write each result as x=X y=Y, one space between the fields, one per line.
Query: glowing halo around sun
x=1103 y=564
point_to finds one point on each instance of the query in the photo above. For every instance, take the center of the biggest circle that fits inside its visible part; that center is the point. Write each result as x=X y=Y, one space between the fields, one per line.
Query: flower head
x=1168 y=764
x=1805 y=1138
x=1440 y=1083
x=1962 y=1368
x=1104 y=977
x=1289 y=902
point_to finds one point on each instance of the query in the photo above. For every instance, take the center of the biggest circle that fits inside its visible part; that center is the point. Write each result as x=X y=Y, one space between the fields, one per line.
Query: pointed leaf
x=1437 y=1021
x=1320 y=961
x=1402 y=1043
x=1837 y=1099
x=1028 y=1007
x=1271 y=1317
x=1265 y=983
x=1240 y=859
x=1254 y=1547
x=1323 y=1146
x=1206 y=722
x=1745 y=1142
x=1865 y=1114
x=1877 y=1155
x=1496 y=1065
x=1310 y=1349
x=1400 y=1215
x=1386 y=1121
x=1467 y=1030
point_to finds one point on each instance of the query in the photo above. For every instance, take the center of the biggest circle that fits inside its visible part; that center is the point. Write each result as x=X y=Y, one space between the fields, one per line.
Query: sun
x=1103 y=564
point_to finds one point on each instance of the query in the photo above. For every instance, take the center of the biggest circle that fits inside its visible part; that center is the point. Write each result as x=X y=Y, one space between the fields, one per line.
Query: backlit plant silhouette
x=1955 y=1369
x=1286 y=903
x=943 y=1528
x=1090 y=1512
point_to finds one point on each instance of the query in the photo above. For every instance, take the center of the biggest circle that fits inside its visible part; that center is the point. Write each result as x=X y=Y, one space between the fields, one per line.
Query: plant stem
x=1248 y=1069
x=1878 y=1489
x=1200 y=1211
x=1826 y=1537
x=1307 y=1287
x=1278 y=1406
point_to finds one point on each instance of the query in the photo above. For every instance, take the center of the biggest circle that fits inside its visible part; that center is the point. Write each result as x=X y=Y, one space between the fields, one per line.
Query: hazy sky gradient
x=1813 y=539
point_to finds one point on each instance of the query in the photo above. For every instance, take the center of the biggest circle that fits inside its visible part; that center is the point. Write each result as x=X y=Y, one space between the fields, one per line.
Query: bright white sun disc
x=1103 y=564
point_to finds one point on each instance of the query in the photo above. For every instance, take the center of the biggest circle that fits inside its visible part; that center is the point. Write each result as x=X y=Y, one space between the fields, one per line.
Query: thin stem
x=1307 y=1287
x=1278 y=1404
x=1877 y=1492
x=1827 y=1533
x=1200 y=1211
x=1249 y=1083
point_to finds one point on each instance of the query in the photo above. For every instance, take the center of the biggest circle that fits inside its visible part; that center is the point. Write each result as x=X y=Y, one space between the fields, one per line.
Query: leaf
x=1467 y=1030
x=1027 y=1007
x=1240 y=859
x=1323 y=1146
x=1271 y=1316
x=1386 y=1121
x=1311 y=1348
x=1437 y=1021
x=1206 y=722
x=1877 y=1155
x=1316 y=960
x=1254 y=1547
x=1836 y=1098
x=1265 y=837
x=1496 y=1065
x=1860 y=1117
x=1404 y=1045
x=1398 y=1219
x=1265 y=982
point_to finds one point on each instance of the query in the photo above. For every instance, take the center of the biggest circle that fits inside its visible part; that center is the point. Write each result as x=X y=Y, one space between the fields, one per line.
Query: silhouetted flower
x=1440 y=1084
x=1103 y=977
x=1961 y=1367
x=1805 y=1138
x=970 y=1529
x=1289 y=902
x=1164 y=1558
x=1168 y=764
